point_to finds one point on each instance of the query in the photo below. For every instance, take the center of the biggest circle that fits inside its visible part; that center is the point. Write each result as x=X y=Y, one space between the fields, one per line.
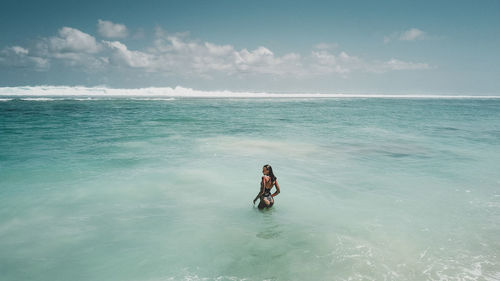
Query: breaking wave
x=163 y=92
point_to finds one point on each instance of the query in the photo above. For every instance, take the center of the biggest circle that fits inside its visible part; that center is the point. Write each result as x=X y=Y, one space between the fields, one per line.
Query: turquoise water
x=132 y=189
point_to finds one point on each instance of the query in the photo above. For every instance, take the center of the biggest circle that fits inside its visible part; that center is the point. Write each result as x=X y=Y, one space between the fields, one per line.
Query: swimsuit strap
x=268 y=190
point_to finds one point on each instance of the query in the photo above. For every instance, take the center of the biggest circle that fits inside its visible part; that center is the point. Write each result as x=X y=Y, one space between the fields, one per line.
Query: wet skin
x=266 y=184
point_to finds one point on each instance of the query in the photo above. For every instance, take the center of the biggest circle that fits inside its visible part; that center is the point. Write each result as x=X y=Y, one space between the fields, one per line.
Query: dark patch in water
x=398 y=155
x=448 y=128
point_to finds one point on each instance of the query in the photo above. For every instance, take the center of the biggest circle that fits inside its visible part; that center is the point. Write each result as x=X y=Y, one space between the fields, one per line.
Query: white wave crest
x=153 y=98
x=37 y=99
x=163 y=92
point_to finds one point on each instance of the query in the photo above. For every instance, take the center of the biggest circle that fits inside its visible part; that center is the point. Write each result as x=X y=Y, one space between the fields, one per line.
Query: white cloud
x=109 y=29
x=412 y=35
x=325 y=62
x=177 y=53
x=394 y=64
x=71 y=40
x=180 y=55
x=74 y=48
x=121 y=55
x=17 y=56
x=19 y=50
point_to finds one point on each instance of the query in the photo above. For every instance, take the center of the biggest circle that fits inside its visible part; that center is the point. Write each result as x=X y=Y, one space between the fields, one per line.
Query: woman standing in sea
x=268 y=181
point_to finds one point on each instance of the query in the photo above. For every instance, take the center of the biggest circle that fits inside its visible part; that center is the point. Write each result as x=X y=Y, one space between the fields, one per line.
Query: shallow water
x=162 y=189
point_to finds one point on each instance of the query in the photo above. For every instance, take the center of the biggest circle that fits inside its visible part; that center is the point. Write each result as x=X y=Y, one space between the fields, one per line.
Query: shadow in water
x=271 y=226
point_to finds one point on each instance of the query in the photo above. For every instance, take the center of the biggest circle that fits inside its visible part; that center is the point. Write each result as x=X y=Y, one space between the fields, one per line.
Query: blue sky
x=435 y=47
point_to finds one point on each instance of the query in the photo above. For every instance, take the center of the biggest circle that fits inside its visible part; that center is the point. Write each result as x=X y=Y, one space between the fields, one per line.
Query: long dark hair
x=271 y=174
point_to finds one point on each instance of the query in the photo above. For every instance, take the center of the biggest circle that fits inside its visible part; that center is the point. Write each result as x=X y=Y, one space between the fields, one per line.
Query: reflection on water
x=270 y=227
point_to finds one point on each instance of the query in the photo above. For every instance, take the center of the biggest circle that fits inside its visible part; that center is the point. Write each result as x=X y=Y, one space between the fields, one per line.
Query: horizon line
x=179 y=91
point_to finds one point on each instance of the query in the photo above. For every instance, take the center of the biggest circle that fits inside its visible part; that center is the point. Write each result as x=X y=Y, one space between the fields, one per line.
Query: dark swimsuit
x=267 y=195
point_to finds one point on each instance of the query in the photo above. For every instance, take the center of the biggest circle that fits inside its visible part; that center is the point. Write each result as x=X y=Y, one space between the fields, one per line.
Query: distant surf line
x=179 y=92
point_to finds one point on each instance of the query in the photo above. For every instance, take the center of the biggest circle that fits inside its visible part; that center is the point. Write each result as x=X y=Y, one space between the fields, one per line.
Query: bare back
x=267 y=182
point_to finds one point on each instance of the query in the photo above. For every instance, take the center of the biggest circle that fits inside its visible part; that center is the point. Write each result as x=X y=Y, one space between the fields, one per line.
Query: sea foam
x=79 y=91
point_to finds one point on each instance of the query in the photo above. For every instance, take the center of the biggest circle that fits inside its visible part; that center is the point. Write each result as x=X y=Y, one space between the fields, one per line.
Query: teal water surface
x=138 y=189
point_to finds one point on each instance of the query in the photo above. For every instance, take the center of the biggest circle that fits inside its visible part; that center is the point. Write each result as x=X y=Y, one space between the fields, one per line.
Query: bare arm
x=261 y=190
x=277 y=189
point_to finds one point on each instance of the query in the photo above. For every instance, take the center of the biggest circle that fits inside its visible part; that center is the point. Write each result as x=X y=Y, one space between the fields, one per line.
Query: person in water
x=268 y=181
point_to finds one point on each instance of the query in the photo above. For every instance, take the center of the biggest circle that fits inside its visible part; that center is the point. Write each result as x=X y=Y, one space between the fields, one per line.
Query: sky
x=383 y=47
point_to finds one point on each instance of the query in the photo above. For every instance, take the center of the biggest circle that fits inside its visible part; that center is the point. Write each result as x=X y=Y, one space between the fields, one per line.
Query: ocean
x=136 y=188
